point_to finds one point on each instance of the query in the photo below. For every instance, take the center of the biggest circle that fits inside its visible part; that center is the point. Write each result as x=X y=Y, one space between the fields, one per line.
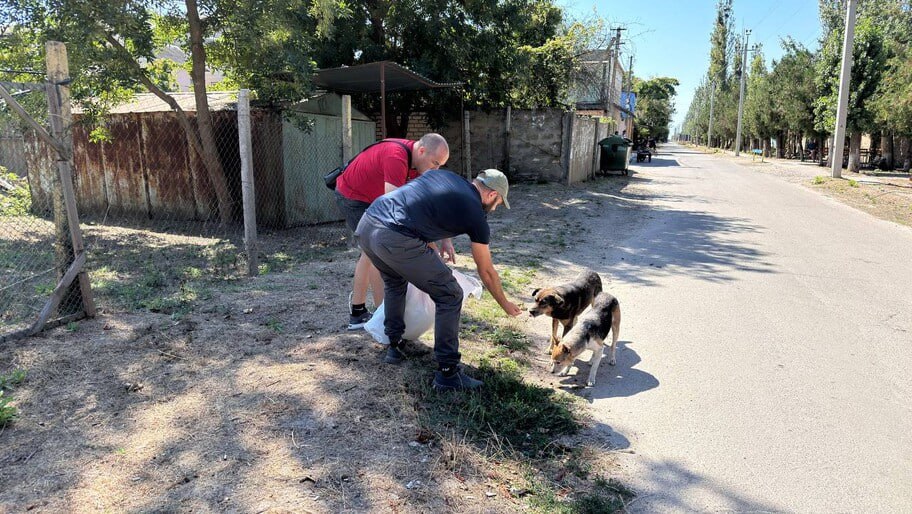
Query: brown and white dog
x=564 y=303
x=590 y=332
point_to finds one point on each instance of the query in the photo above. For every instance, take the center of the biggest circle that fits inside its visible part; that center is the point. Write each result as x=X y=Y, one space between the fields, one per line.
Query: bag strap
x=408 y=152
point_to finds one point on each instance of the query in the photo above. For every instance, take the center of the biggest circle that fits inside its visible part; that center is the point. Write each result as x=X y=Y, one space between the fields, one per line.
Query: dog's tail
x=614 y=307
x=595 y=280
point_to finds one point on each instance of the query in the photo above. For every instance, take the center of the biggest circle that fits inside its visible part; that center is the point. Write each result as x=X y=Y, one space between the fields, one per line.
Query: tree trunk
x=780 y=144
x=766 y=147
x=886 y=148
x=829 y=159
x=193 y=136
x=203 y=119
x=907 y=154
x=874 y=149
x=855 y=152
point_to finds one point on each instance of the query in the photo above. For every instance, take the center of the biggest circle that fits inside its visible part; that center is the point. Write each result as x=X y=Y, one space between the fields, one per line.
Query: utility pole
x=630 y=74
x=709 y=130
x=629 y=97
x=747 y=33
x=845 y=79
x=614 y=63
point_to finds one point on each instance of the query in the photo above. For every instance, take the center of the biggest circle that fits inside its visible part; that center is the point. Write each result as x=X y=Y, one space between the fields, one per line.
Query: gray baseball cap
x=497 y=181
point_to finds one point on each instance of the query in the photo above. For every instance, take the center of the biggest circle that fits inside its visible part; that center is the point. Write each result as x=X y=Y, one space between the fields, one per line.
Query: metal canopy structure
x=376 y=77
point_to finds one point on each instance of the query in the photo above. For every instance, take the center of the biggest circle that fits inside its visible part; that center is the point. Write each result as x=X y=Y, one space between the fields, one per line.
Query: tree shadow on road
x=663 y=160
x=648 y=244
x=678 y=486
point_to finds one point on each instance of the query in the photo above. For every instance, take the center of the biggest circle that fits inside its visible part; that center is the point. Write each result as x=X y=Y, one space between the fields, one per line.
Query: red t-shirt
x=363 y=179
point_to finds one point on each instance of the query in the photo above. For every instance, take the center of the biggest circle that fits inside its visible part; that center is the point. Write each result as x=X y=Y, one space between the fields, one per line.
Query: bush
x=16 y=201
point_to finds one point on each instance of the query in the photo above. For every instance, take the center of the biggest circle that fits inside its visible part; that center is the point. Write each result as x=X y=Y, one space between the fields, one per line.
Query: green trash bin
x=614 y=154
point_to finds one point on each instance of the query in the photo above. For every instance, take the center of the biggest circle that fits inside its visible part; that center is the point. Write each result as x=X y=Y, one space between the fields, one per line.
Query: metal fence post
x=247 y=191
x=346 y=128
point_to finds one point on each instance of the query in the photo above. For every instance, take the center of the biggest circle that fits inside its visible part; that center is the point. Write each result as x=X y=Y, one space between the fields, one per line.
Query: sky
x=670 y=38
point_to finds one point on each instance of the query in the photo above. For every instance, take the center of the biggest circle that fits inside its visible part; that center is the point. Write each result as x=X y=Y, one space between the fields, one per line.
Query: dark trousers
x=402 y=259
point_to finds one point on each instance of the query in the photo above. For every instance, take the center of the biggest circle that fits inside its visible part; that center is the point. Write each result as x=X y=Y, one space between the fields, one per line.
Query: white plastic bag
x=419 y=310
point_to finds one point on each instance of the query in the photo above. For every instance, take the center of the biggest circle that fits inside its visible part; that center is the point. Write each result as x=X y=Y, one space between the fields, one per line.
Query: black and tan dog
x=590 y=333
x=564 y=303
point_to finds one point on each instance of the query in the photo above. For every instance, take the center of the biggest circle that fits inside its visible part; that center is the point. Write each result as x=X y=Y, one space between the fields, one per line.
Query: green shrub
x=18 y=201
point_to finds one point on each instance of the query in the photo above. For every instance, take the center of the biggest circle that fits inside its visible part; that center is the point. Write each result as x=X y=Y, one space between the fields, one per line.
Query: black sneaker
x=358 y=322
x=394 y=353
x=454 y=382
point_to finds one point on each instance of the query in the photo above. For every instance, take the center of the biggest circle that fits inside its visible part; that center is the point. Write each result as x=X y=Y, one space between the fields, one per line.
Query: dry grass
x=889 y=198
x=197 y=389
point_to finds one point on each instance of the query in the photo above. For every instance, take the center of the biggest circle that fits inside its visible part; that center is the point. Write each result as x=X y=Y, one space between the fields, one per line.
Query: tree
x=758 y=104
x=793 y=79
x=655 y=105
x=869 y=60
x=721 y=45
x=893 y=102
x=719 y=81
x=112 y=45
x=516 y=52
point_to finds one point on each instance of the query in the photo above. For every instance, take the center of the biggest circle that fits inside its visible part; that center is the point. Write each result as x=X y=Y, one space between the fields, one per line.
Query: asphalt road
x=766 y=346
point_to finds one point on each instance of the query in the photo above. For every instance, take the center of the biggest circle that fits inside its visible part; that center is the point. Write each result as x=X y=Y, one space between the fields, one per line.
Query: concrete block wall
x=538 y=147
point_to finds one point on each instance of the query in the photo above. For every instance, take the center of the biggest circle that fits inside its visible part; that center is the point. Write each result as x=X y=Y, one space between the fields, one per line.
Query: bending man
x=375 y=171
x=395 y=233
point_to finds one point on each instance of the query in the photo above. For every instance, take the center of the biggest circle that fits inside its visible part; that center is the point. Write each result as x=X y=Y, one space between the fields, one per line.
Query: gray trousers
x=401 y=260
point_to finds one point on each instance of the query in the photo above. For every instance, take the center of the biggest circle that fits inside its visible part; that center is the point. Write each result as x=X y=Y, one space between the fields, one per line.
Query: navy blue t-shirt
x=437 y=205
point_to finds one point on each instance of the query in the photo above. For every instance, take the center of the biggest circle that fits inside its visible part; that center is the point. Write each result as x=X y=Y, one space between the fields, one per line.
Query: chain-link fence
x=159 y=195
x=160 y=199
x=159 y=202
x=35 y=247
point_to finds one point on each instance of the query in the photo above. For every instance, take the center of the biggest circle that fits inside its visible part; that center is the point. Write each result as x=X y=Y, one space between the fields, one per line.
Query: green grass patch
x=12 y=379
x=18 y=200
x=8 y=413
x=853 y=183
x=517 y=281
x=521 y=417
x=9 y=381
x=605 y=497
x=510 y=338
x=276 y=326
x=819 y=179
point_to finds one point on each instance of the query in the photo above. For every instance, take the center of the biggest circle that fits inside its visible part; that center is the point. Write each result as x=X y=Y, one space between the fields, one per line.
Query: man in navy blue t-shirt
x=397 y=233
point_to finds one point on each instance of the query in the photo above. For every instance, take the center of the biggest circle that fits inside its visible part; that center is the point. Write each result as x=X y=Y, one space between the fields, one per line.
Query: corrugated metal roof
x=321 y=102
x=365 y=78
x=148 y=102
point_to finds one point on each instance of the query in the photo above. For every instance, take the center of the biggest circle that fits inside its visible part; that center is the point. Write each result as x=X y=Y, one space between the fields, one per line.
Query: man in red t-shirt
x=372 y=173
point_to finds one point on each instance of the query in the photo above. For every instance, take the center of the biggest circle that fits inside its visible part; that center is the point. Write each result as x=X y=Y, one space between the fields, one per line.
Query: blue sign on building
x=628 y=103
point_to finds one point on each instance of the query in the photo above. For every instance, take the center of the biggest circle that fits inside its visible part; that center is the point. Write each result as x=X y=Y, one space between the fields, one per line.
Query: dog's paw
x=612 y=362
x=590 y=383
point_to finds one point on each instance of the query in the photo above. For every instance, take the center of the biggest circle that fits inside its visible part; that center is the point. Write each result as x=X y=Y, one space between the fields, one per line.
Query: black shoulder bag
x=331 y=177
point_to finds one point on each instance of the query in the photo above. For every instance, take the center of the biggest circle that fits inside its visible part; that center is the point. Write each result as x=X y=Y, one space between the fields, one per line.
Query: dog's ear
x=565 y=349
x=558 y=299
x=535 y=292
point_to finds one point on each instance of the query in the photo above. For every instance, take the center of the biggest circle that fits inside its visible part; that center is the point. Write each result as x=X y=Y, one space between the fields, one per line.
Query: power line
x=776 y=31
x=770 y=11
